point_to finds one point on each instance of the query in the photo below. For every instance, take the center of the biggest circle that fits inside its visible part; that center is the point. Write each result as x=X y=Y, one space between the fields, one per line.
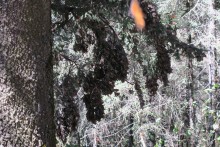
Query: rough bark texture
x=26 y=94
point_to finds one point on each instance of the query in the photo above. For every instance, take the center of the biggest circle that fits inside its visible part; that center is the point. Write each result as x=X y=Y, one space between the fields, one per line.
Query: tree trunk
x=190 y=95
x=26 y=87
x=213 y=80
x=188 y=138
x=216 y=80
x=131 y=137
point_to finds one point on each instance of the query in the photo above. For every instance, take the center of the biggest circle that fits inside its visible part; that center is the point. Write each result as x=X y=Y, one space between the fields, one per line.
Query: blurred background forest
x=116 y=85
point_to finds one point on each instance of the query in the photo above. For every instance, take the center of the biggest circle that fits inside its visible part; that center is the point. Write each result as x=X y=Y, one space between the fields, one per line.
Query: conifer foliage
x=108 y=60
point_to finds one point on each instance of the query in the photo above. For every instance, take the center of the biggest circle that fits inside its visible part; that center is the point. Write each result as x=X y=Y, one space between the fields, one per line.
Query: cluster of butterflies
x=137 y=14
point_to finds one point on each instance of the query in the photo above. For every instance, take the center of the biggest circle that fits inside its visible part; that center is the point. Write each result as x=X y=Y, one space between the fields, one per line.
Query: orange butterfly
x=138 y=14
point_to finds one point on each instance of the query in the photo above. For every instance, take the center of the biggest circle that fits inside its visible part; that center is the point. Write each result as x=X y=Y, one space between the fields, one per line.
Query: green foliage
x=218 y=138
x=160 y=143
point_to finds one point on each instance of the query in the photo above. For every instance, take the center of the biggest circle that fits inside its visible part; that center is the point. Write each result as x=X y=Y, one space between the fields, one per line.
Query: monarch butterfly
x=137 y=14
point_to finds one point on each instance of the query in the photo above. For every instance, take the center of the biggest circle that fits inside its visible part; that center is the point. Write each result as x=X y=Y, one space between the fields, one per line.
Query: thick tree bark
x=26 y=87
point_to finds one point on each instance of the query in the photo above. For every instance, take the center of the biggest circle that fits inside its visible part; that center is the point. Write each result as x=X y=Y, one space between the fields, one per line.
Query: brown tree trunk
x=26 y=87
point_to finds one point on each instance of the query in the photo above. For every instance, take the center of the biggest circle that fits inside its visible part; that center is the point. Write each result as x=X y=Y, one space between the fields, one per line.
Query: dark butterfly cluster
x=110 y=64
